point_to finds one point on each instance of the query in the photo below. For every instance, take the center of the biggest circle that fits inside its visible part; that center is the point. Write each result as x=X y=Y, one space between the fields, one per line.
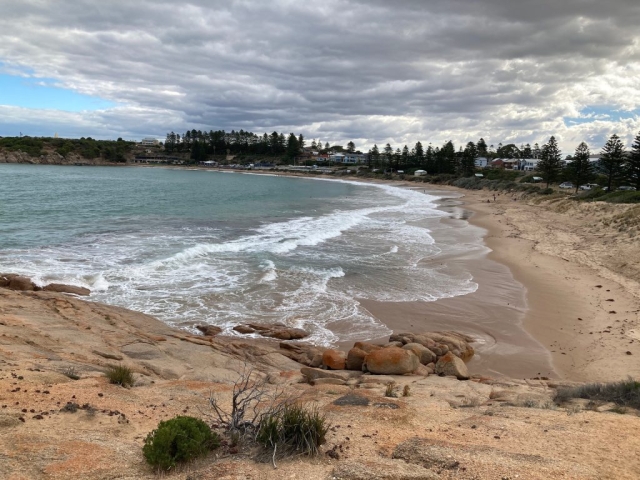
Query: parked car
x=566 y=185
x=627 y=189
x=589 y=186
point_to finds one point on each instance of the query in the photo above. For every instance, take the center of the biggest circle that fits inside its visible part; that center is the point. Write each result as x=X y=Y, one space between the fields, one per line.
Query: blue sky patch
x=41 y=93
x=593 y=113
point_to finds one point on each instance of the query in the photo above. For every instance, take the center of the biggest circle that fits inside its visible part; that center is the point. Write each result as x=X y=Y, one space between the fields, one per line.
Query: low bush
x=120 y=375
x=178 y=440
x=547 y=191
x=293 y=429
x=625 y=393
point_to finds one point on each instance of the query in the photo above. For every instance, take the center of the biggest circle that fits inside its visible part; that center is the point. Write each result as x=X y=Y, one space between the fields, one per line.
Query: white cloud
x=373 y=71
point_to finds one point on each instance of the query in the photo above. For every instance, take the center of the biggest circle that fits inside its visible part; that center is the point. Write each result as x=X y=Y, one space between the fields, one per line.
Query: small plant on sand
x=406 y=391
x=294 y=429
x=625 y=393
x=178 y=440
x=120 y=375
x=391 y=390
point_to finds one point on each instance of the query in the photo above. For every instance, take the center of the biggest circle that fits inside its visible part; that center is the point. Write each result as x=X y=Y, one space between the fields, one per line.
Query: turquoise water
x=199 y=246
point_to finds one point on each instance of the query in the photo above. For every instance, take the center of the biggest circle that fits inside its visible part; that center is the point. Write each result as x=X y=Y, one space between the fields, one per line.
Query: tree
x=314 y=145
x=550 y=161
x=633 y=163
x=526 y=151
x=351 y=147
x=293 y=147
x=300 y=142
x=580 y=167
x=468 y=163
x=388 y=152
x=375 y=155
x=482 y=148
x=612 y=159
x=327 y=146
x=418 y=153
x=405 y=155
x=536 y=151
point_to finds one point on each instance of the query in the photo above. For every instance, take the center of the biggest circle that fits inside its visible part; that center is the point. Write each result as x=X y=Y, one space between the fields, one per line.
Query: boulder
x=383 y=379
x=423 y=353
x=450 y=364
x=391 y=361
x=209 y=330
x=423 y=371
x=5 y=278
x=17 y=282
x=432 y=367
x=276 y=330
x=355 y=359
x=61 y=288
x=439 y=342
x=302 y=353
x=334 y=359
x=367 y=347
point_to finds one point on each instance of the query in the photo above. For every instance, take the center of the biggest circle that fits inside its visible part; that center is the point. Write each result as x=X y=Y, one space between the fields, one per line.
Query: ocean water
x=192 y=246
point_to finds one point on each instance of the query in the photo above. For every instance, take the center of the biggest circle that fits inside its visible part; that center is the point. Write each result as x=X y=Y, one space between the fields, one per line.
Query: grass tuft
x=624 y=394
x=120 y=375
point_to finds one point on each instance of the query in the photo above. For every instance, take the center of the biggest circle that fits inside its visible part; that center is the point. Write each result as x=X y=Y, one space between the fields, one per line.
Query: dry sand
x=581 y=273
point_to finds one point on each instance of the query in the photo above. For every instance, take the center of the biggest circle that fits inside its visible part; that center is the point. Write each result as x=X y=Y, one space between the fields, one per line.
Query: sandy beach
x=580 y=275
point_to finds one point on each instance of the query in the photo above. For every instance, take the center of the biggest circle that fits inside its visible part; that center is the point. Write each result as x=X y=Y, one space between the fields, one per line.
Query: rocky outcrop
x=391 y=361
x=439 y=343
x=450 y=364
x=275 y=330
x=61 y=288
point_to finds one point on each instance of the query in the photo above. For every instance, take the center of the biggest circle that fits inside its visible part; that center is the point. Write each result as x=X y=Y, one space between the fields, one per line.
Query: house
x=529 y=164
x=481 y=162
x=149 y=142
x=348 y=158
x=505 y=163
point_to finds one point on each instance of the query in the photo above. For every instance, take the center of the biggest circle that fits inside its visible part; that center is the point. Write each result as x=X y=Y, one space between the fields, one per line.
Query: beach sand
x=555 y=297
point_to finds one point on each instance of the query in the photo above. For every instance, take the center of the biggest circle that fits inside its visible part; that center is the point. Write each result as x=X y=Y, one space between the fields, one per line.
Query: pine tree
x=293 y=147
x=375 y=155
x=351 y=147
x=550 y=161
x=419 y=153
x=482 y=148
x=580 y=167
x=633 y=163
x=612 y=159
x=300 y=142
x=468 y=163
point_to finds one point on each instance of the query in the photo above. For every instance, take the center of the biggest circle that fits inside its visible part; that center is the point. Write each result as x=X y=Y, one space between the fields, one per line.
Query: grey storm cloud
x=373 y=71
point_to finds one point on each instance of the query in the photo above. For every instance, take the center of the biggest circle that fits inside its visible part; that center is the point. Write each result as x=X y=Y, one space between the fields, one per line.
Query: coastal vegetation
x=87 y=148
x=179 y=440
x=120 y=375
x=625 y=393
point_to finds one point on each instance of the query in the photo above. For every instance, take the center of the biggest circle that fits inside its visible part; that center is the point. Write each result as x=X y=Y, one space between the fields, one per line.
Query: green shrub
x=120 y=375
x=625 y=393
x=178 y=440
x=295 y=428
x=546 y=191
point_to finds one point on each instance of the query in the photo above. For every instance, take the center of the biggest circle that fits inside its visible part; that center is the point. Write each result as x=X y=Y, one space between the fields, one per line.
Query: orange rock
x=334 y=359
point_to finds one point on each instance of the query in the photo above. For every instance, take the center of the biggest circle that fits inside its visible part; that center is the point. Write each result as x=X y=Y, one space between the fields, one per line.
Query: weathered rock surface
x=275 y=330
x=355 y=359
x=451 y=364
x=209 y=330
x=334 y=359
x=391 y=361
x=305 y=354
x=17 y=282
x=62 y=288
x=425 y=355
x=420 y=452
x=315 y=373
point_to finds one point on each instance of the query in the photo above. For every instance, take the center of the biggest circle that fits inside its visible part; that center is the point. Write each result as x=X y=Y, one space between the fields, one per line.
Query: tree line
x=615 y=163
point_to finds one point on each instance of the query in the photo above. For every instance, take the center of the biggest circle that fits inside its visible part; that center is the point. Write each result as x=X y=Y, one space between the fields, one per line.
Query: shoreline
x=565 y=312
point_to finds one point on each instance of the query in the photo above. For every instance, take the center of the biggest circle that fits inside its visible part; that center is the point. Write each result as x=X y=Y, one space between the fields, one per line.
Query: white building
x=348 y=158
x=529 y=164
x=481 y=162
x=149 y=142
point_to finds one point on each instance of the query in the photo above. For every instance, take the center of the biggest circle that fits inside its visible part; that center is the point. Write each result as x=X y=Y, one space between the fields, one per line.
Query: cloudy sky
x=370 y=71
